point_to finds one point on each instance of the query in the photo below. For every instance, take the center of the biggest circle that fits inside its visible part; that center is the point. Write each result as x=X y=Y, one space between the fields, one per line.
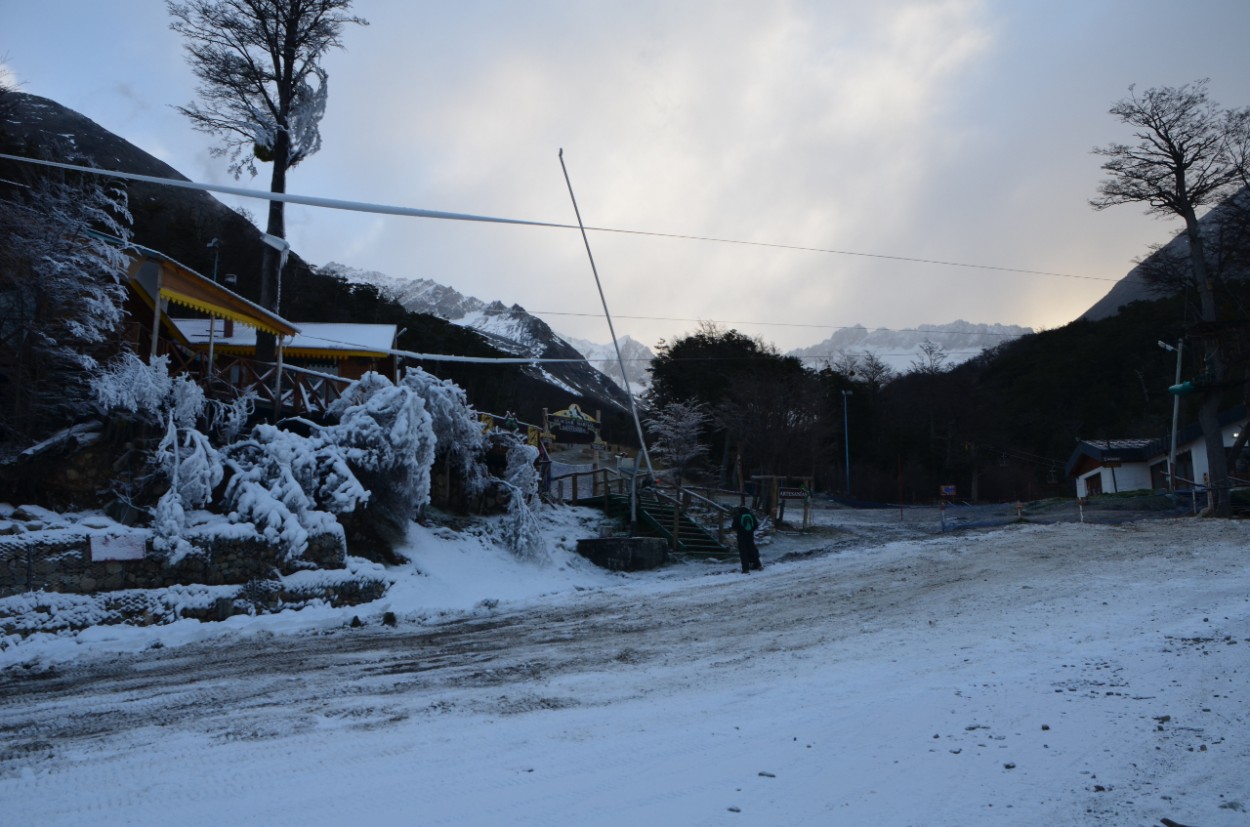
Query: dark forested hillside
x=1011 y=418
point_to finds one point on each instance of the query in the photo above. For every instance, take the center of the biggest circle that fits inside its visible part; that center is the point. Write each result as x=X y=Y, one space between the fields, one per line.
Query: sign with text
x=120 y=547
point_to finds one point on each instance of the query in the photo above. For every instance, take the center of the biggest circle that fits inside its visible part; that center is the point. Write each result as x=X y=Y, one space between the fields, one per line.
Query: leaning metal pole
x=633 y=408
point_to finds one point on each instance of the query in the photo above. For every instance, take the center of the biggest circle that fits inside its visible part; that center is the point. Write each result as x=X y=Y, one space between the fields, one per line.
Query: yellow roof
x=183 y=286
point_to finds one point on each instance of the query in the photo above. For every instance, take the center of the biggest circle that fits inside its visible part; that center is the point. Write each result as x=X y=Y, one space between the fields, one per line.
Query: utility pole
x=846 y=438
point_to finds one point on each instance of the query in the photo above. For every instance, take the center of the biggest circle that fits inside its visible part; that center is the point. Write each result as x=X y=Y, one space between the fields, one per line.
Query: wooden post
x=277 y=385
x=212 y=340
x=156 y=315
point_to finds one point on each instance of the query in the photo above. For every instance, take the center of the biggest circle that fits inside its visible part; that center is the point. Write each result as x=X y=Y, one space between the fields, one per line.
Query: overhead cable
x=414 y=212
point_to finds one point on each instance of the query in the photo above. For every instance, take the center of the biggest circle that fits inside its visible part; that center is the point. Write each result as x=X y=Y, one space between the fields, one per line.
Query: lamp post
x=215 y=246
x=1176 y=408
x=846 y=438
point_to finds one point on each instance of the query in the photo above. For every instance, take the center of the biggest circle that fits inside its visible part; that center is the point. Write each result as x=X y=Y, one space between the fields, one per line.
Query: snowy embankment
x=1064 y=674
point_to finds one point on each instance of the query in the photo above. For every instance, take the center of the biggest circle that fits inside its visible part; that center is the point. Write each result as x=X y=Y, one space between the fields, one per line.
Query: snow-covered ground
x=875 y=673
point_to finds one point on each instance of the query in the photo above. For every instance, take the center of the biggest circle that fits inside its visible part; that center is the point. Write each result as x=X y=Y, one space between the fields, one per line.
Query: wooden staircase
x=662 y=516
x=690 y=523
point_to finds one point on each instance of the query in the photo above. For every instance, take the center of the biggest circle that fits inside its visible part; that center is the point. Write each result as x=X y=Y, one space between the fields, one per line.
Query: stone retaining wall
x=624 y=553
x=60 y=561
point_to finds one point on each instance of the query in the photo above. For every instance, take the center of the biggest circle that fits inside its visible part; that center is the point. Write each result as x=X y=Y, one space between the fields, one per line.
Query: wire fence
x=1110 y=510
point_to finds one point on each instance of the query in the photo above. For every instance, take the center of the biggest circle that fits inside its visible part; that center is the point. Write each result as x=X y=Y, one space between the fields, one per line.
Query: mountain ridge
x=512 y=329
x=899 y=348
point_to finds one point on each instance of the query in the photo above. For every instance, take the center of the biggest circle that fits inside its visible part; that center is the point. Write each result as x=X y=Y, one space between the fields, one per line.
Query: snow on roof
x=341 y=338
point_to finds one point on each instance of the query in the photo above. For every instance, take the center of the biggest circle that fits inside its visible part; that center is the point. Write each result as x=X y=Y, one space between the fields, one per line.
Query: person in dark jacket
x=745 y=524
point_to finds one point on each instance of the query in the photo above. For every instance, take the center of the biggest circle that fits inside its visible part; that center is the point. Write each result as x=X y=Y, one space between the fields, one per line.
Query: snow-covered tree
x=61 y=293
x=262 y=90
x=522 y=532
x=677 y=429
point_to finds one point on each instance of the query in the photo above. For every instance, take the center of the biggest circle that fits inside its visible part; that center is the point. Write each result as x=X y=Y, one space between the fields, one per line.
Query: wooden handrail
x=303 y=391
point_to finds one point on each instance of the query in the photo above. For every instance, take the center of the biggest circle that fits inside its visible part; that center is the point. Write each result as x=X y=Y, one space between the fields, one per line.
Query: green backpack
x=746 y=521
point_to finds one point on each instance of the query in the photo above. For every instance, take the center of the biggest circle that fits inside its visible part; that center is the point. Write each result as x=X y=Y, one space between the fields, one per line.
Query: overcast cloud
x=951 y=130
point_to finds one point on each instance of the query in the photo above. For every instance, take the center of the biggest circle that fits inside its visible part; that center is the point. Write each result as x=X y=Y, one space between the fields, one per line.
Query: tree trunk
x=270 y=276
x=1209 y=411
x=1217 y=460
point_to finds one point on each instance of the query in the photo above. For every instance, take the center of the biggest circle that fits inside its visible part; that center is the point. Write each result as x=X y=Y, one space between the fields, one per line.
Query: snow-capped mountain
x=514 y=330
x=636 y=356
x=511 y=329
x=418 y=295
x=959 y=340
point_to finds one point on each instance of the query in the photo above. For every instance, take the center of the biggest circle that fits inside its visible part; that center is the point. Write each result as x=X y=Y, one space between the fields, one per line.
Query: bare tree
x=875 y=371
x=678 y=432
x=931 y=360
x=262 y=90
x=1189 y=154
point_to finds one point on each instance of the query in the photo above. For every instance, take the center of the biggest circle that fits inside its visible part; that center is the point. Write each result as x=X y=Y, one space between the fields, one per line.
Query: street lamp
x=846 y=439
x=1176 y=409
x=215 y=246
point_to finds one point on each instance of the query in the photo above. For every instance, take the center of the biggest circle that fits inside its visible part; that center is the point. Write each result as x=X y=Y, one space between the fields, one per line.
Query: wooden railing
x=301 y=392
x=581 y=486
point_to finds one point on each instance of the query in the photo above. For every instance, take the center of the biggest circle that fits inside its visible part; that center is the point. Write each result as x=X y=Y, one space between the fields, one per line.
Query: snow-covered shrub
x=147 y=391
x=461 y=442
x=194 y=466
x=289 y=486
x=387 y=437
x=226 y=420
x=386 y=431
x=194 y=469
x=147 y=396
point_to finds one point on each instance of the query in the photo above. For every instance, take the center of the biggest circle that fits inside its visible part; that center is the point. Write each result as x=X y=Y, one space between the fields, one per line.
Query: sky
x=934 y=130
x=1028 y=675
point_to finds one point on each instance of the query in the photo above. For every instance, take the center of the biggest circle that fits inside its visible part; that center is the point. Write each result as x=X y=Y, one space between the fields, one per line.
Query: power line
x=415 y=212
x=909 y=259
x=781 y=324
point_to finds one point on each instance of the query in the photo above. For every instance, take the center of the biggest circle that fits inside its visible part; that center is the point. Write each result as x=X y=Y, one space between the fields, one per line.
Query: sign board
x=120 y=547
x=947 y=491
x=573 y=425
x=792 y=493
x=1111 y=462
